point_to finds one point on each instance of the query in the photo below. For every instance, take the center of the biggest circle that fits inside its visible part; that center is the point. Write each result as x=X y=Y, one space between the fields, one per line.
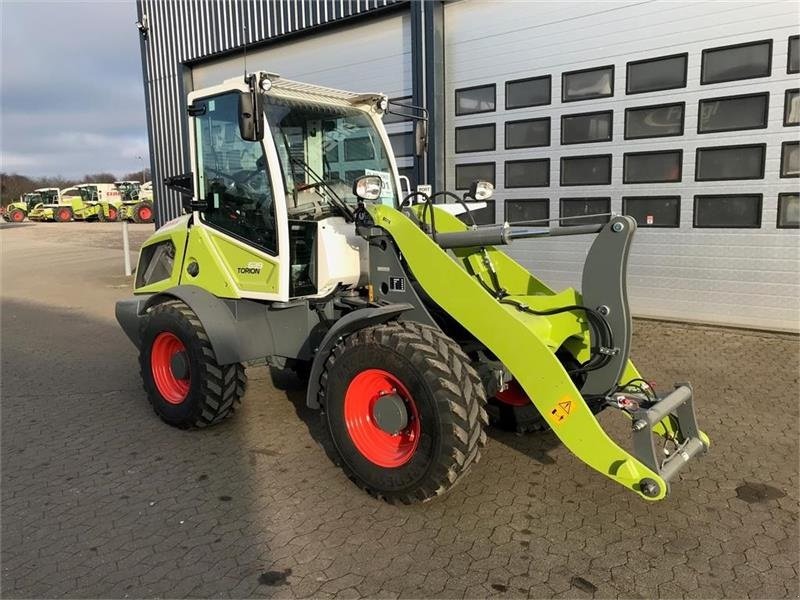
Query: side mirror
x=368 y=187
x=250 y=113
x=480 y=191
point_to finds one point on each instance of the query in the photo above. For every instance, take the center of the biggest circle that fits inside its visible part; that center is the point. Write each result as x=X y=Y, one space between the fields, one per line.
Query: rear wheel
x=16 y=216
x=62 y=214
x=404 y=410
x=143 y=213
x=184 y=383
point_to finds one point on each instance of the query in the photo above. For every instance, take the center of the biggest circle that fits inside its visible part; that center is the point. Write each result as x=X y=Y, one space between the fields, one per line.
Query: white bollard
x=126 y=248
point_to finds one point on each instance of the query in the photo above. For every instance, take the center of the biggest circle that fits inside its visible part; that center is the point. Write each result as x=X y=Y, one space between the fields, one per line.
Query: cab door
x=235 y=239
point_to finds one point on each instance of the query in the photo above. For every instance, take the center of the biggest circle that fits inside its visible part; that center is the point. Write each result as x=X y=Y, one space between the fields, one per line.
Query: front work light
x=368 y=187
x=480 y=190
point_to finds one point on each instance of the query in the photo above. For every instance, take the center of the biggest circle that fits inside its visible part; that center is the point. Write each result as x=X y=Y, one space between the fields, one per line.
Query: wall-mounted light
x=143 y=26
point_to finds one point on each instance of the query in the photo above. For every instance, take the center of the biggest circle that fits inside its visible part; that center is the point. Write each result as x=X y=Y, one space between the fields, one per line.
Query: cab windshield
x=322 y=150
x=32 y=199
x=88 y=194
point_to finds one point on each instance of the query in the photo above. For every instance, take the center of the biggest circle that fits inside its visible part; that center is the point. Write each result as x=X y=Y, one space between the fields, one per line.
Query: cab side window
x=232 y=173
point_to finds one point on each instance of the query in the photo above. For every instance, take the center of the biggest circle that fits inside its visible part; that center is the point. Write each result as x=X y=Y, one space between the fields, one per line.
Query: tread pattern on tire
x=222 y=385
x=519 y=419
x=135 y=212
x=458 y=391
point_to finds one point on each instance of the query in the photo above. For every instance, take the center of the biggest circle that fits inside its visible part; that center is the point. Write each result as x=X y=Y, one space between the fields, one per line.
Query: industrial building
x=682 y=115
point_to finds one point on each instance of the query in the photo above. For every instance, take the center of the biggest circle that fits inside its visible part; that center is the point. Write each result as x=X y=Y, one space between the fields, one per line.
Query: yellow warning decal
x=562 y=411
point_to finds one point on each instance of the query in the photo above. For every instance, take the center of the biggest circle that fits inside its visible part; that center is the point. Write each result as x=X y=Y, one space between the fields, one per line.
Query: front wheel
x=184 y=383
x=16 y=216
x=404 y=410
x=62 y=214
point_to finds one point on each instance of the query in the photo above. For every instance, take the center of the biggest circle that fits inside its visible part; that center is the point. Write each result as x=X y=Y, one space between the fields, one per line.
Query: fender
x=239 y=330
x=350 y=323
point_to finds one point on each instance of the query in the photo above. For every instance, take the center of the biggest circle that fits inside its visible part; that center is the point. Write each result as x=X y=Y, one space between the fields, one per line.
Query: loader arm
x=523 y=342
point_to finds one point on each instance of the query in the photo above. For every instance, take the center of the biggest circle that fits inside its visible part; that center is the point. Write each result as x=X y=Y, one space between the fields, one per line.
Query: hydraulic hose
x=601 y=352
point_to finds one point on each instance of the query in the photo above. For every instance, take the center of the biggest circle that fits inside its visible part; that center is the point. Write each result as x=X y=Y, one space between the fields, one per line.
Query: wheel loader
x=16 y=212
x=405 y=317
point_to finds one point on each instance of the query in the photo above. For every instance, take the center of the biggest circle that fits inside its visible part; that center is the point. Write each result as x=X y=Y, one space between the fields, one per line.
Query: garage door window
x=580 y=207
x=528 y=133
x=466 y=174
x=482 y=216
x=534 y=91
x=653 y=211
x=652 y=167
x=788 y=211
x=528 y=209
x=664 y=73
x=587 y=127
x=793 y=60
x=791 y=107
x=587 y=83
x=734 y=211
x=748 y=111
x=660 y=120
x=731 y=63
x=730 y=162
x=527 y=173
x=408 y=172
x=476 y=138
x=790 y=159
x=478 y=99
x=390 y=118
x=586 y=170
x=402 y=144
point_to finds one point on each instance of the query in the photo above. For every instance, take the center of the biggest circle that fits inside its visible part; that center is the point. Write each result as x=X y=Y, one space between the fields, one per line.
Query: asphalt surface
x=101 y=499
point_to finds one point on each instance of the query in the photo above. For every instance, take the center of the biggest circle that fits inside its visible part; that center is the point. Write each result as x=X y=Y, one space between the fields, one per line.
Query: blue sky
x=71 y=95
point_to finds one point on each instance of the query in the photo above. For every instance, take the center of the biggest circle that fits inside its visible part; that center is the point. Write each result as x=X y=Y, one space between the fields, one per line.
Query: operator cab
x=281 y=183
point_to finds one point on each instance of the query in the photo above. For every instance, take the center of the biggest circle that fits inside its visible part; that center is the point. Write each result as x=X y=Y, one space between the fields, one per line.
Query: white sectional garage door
x=682 y=115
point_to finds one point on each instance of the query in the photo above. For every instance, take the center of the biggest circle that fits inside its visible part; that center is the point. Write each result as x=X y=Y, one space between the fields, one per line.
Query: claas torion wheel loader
x=298 y=247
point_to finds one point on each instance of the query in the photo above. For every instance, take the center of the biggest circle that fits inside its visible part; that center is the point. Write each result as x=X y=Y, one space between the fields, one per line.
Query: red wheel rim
x=145 y=213
x=374 y=444
x=112 y=214
x=17 y=216
x=513 y=395
x=63 y=215
x=165 y=346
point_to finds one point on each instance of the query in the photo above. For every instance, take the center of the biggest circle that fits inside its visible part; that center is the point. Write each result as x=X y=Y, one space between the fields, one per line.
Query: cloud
x=71 y=94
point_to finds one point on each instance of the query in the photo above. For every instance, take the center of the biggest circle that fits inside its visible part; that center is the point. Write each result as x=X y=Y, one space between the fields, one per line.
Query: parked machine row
x=118 y=201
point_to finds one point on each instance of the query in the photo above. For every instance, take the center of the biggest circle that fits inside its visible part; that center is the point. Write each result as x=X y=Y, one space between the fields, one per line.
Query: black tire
x=143 y=212
x=112 y=216
x=446 y=392
x=62 y=214
x=215 y=391
x=527 y=418
x=16 y=216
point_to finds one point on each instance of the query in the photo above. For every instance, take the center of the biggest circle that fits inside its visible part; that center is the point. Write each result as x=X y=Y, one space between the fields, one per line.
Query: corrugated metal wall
x=185 y=32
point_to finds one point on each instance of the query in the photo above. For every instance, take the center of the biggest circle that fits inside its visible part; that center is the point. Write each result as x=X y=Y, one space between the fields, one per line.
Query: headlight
x=155 y=263
x=368 y=187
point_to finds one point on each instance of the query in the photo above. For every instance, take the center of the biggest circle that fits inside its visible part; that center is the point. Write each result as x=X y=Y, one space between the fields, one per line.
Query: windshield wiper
x=335 y=198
